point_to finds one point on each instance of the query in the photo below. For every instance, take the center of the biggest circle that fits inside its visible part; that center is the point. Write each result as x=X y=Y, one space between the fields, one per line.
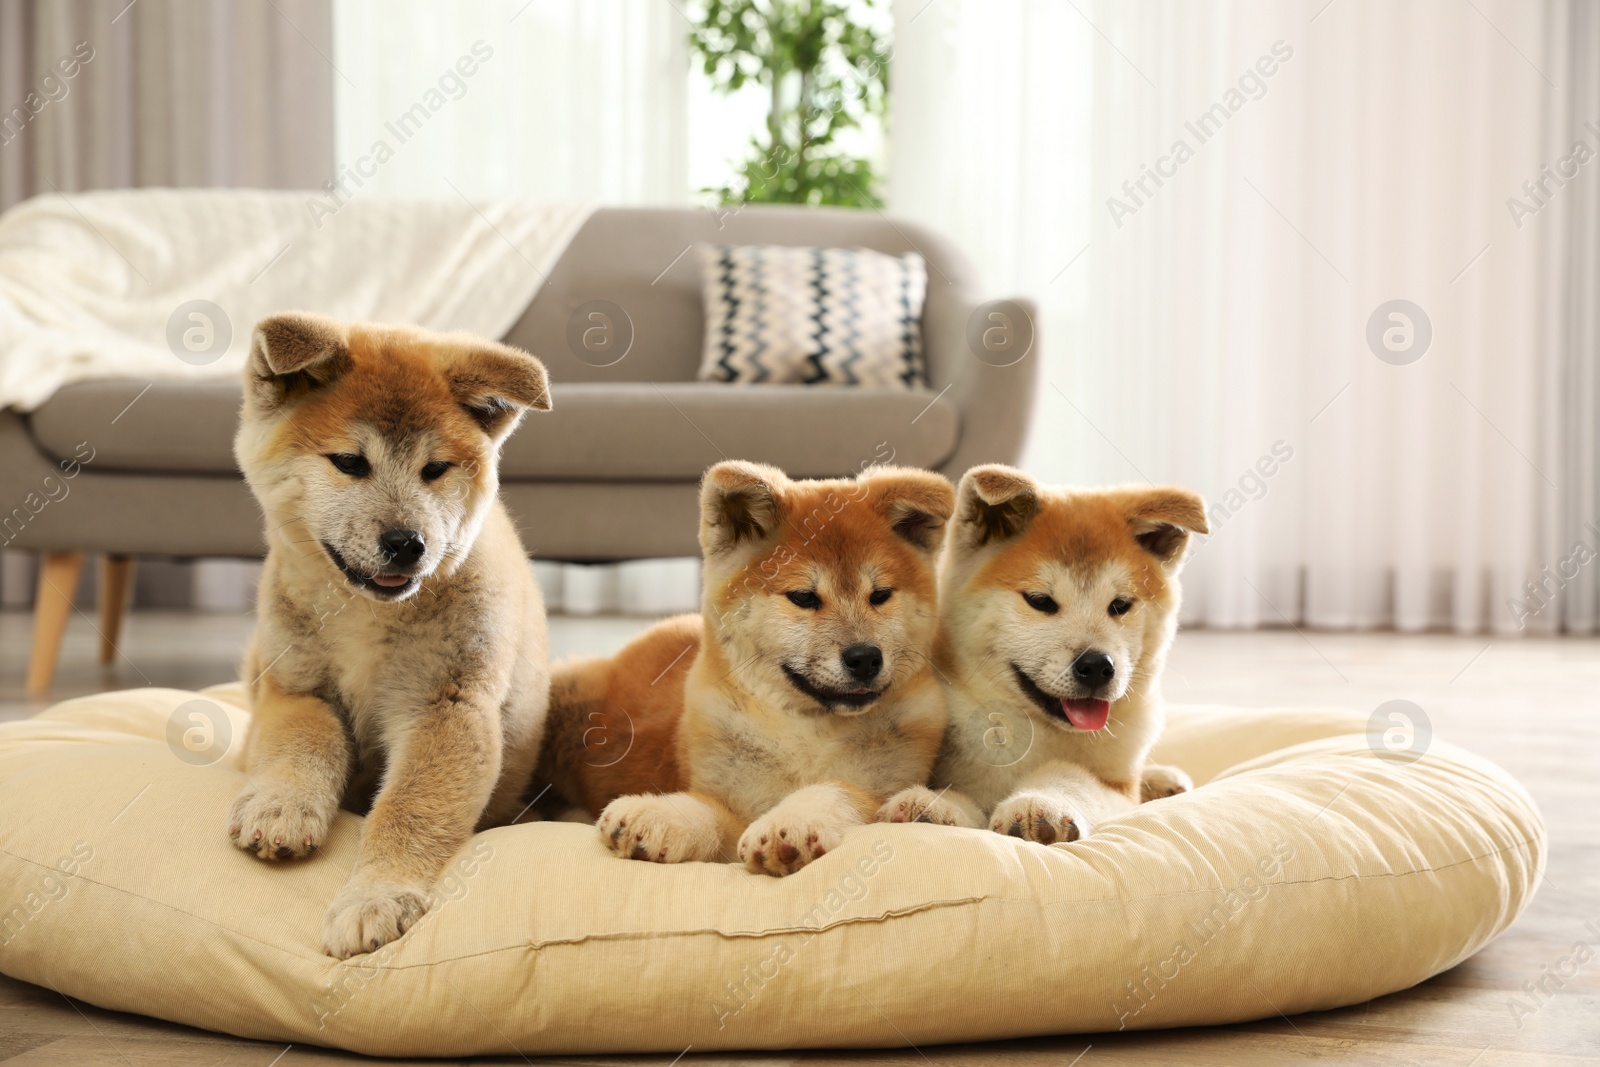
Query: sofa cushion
x=134 y=425
x=814 y=316
x=627 y=431
x=676 y=430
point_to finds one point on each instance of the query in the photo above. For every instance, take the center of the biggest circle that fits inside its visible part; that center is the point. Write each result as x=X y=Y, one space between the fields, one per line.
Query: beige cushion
x=1305 y=874
x=619 y=432
x=135 y=425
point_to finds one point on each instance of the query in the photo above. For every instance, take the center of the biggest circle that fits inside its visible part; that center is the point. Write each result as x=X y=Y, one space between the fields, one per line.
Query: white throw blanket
x=91 y=285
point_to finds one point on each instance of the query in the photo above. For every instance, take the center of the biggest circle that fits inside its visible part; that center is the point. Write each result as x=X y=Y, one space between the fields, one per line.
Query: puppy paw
x=1159 y=781
x=662 y=829
x=1037 y=817
x=782 y=841
x=275 y=824
x=365 y=916
x=920 y=804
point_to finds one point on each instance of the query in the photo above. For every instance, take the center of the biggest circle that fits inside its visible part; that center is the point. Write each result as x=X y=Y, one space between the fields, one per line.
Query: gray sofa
x=610 y=472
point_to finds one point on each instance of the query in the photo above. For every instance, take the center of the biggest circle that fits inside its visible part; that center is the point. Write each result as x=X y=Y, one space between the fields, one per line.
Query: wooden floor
x=1533 y=705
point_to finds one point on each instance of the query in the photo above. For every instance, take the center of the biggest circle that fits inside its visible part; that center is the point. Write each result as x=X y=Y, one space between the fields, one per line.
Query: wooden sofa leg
x=116 y=576
x=52 y=607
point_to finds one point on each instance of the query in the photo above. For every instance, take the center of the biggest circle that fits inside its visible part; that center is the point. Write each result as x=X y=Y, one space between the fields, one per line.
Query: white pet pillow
x=1307 y=873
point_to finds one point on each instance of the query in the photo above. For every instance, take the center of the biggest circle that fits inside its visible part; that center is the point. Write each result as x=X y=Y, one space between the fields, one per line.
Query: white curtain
x=1580 y=382
x=566 y=99
x=1212 y=200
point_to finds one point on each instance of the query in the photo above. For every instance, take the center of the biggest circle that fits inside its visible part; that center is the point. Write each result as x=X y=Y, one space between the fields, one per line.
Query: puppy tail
x=577 y=690
x=612 y=726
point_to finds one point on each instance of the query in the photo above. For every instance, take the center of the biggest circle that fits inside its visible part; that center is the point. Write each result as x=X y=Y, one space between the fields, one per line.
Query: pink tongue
x=390 y=581
x=1087 y=714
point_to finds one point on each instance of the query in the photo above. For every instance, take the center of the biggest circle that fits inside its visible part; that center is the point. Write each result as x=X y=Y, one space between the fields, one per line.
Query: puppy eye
x=880 y=596
x=350 y=463
x=434 y=470
x=805 y=598
x=1042 y=602
x=1120 y=606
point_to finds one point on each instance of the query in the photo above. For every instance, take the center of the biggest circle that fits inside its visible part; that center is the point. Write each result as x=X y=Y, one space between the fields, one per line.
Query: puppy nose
x=862 y=661
x=1093 y=668
x=404 y=547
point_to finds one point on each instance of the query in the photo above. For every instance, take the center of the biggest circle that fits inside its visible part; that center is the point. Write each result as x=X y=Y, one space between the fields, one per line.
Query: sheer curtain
x=1219 y=206
x=1580 y=382
x=566 y=99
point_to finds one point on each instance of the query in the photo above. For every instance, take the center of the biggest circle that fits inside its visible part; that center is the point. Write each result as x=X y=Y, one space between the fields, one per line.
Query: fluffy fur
x=1053 y=603
x=412 y=668
x=745 y=730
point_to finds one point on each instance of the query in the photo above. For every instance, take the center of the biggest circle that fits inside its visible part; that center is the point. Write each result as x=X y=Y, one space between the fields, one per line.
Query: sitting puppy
x=803 y=700
x=1056 y=610
x=400 y=635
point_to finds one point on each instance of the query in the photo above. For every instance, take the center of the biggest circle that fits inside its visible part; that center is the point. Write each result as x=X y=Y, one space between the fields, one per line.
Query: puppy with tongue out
x=1056 y=609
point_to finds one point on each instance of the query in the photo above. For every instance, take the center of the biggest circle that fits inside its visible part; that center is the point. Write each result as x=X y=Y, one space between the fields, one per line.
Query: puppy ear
x=293 y=353
x=994 y=503
x=496 y=383
x=1163 y=517
x=739 y=505
x=916 y=503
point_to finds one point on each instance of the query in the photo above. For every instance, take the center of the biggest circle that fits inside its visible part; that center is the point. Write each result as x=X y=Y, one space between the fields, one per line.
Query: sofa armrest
x=994 y=395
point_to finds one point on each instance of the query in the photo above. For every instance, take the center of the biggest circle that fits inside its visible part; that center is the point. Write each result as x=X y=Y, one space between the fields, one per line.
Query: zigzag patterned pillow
x=815 y=316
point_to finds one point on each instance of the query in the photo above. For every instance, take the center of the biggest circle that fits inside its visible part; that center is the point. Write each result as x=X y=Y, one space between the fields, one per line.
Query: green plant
x=823 y=71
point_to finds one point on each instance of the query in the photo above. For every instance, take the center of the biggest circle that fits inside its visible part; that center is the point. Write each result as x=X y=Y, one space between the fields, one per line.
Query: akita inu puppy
x=400 y=640
x=1056 y=609
x=803 y=700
